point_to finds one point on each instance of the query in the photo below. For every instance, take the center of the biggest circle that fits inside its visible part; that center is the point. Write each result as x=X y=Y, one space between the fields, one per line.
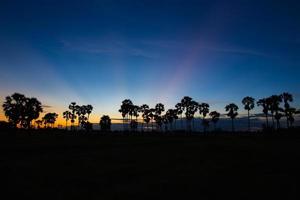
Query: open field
x=151 y=167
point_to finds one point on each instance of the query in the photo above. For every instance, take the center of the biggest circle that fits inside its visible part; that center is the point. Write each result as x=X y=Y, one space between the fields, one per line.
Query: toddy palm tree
x=232 y=113
x=159 y=108
x=248 y=105
x=146 y=116
x=152 y=115
x=278 y=115
x=291 y=112
x=287 y=97
x=72 y=107
x=204 y=110
x=125 y=110
x=264 y=103
x=144 y=110
x=186 y=103
x=89 y=109
x=179 y=110
x=275 y=101
x=50 y=118
x=39 y=123
x=67 y=115
x=170 y=117
x=105 y=123
x=215 y=116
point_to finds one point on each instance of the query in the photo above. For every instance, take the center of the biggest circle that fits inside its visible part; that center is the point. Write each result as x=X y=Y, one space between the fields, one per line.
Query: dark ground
x=151 y=167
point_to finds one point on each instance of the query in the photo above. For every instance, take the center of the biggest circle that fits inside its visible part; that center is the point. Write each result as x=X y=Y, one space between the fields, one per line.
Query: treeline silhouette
x=21 y=111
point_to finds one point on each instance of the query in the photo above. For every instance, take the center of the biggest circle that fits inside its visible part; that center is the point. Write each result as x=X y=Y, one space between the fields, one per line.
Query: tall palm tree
x=232 y=113
x=171 y=116
x=275 y=101
x=291 y=112
x=264 y=103
x=151 y=116
x=248 y=105
x=179 y=109
x=105 y=123
x=126 y=110
x=39 y=123
x=186 y=103
x=78 y=112
x=287 y=97
x=204 y=110
x=144 y=110
x=146 y=116
x=67 y=115
x=50 y=118
x=278 y=116
x=215 y=116
x=89 y=109
x=159 y=108
x=72 y=107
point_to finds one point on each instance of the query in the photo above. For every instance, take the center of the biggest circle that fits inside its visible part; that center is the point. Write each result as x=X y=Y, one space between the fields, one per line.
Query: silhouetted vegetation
x=249 y=103
x=49 y=119
x=105 y=123
x=21 y=111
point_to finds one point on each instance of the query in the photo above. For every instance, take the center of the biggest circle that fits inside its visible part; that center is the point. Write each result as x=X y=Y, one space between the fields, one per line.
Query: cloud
x=150 y=48
x=203 y=45
x=110 y=47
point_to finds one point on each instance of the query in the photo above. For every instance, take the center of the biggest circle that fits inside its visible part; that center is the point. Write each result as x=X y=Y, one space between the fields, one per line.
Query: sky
x=102 y=52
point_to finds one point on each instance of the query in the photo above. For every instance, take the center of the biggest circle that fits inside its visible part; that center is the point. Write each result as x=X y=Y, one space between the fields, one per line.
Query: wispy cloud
x=150 y=48
x=204 y=45
x=112 y=47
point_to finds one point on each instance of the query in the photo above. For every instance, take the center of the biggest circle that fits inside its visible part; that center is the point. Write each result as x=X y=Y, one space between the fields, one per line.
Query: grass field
x=151 y=167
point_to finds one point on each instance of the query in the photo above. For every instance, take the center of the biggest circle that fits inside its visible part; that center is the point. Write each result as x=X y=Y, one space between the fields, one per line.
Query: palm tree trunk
x=248 y=121
x=273 y=120
x=267 y=120
x=181 y=121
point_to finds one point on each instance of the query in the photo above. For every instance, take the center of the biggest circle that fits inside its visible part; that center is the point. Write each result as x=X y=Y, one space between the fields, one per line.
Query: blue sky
x=101 y=52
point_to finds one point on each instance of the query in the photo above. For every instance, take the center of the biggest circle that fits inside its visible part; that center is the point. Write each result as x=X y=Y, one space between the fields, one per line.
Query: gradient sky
x=101 y=52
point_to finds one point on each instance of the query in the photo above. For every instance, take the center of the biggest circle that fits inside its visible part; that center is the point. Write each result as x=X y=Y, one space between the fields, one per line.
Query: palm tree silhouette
x=50 y=118
x=72 y=107
x=232 y=113
x=190 y=107
x=144 y=110
x=248 y=105
x=275 y=101
x=146 y=116
x=278 y=116
x=287 y=97
x=89 y=109
x=215 y=116
x=159 y=108
x=290 y=113
x=67 y=115
x=179 y=110
x=264 y=103
x=125 y=110
x=152 y=115
x=170 y=117
x=105 y=123
x=204 y=110
x=39 y=123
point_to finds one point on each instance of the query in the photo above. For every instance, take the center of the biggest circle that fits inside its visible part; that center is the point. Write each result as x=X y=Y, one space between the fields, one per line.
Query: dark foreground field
x=151 y=167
